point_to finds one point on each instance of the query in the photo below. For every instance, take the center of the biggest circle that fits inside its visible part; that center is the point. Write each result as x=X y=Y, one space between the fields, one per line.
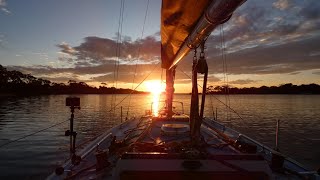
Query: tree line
x=288 y=88
x=15 y=82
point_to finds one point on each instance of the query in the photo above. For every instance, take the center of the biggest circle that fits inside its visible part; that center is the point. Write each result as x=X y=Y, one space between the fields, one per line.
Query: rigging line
x=223 y=67
x=137 y=85
x=23 y=137
x=138 y=55
x=116 y=63
x=216 y=97
x=119 y=52
x=227 y=106
x=211 y=102
x=119 y=45
x=224 y=70
x=226 y=64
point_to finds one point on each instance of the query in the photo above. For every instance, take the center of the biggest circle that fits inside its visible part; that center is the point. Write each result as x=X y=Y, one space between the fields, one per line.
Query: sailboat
x=172 y=144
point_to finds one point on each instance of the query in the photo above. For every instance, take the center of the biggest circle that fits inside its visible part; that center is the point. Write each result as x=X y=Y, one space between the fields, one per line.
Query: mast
x=198 y=66
x=194 y=107
x=170 y=74
x=184 y=26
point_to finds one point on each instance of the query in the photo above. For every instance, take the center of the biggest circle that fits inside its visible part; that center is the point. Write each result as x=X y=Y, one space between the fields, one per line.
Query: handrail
x=262 y=146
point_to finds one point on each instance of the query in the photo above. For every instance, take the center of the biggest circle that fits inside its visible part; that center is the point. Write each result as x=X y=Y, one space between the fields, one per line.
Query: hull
x=160 y=147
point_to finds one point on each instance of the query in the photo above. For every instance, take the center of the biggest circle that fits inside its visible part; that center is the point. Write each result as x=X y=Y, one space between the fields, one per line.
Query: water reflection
x=156 y=88
x=155 y=104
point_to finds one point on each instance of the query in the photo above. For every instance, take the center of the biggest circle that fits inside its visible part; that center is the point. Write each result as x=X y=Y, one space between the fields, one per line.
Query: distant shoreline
x=41 y=94
x=15 y=83
x=4 y=95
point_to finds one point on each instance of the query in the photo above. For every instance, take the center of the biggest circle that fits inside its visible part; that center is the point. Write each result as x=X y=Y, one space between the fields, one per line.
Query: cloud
x=284 y=58
x=260 y=39
x=294 y=73
x=242 y=81
x=259 y=24
x=281 y=4
x=157 y=34
x=42 y=55
x=62 y=78
x=3 y=3
x=101 y=73
x=97 y=51
x=213 y=78
x=66 y=49
x=310 y=10
x=182 y=81
x=3 y=7
x=316 y=72
x=184 y=76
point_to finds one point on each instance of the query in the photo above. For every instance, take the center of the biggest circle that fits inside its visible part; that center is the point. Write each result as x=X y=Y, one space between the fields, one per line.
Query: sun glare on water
x=156 y=89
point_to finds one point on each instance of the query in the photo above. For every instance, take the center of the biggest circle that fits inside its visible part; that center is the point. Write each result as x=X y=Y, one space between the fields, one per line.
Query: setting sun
x=156 y=88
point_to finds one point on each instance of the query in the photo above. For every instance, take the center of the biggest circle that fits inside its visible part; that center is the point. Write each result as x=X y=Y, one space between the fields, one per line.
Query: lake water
x=36 y=156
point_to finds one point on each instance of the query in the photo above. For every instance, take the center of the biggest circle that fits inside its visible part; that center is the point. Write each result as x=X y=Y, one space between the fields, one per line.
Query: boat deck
x=160 y=148
x=155 y=135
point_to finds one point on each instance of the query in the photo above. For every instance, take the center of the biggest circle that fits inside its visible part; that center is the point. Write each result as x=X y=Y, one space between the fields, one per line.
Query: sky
x=266 y=43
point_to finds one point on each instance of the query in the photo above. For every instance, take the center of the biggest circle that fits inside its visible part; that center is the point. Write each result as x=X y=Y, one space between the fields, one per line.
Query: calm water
x=37 y=156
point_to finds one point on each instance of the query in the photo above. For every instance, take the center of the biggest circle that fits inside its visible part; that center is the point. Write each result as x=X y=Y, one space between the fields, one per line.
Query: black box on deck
x=73 y=101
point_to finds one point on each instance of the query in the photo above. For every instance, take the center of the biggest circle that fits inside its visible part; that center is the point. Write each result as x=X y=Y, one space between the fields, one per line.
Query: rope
x=217 y=98
x=227 y=106
x=211 y=102
x=224 y=65
x=119 y=45
x=138 y=55
x=116 y=64
x=23 y=137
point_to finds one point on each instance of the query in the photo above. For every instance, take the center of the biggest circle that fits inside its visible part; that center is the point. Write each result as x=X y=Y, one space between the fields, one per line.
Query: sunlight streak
x=156 y=89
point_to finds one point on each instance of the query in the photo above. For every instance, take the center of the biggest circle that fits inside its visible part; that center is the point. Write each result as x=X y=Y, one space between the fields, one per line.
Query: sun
x=154 y=86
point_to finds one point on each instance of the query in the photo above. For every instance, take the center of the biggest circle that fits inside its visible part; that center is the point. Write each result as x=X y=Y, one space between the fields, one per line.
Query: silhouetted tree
x=26 y=84
x=288 y=88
